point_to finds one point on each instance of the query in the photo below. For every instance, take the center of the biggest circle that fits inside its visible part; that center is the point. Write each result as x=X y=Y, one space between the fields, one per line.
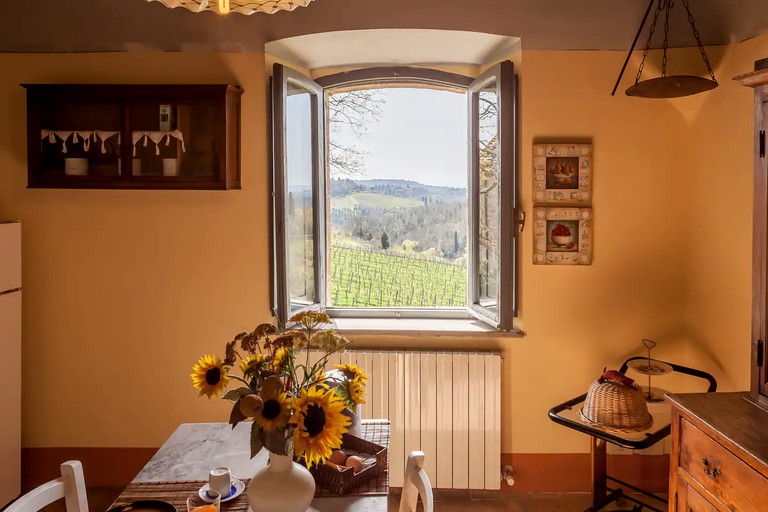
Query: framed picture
x=562 y=173
x=562 y=236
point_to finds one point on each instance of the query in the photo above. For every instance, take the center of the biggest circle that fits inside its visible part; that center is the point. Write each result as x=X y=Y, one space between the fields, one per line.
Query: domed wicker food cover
x=616 y=404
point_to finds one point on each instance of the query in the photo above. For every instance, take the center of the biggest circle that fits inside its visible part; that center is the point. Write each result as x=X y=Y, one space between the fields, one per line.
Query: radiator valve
x=506 y=475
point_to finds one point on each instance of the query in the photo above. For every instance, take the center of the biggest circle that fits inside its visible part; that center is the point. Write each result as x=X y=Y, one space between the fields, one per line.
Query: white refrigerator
x=10 y=353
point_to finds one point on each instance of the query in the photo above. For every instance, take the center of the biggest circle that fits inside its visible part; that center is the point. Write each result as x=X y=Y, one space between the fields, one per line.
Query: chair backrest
x=416 y=484
x=70 y=486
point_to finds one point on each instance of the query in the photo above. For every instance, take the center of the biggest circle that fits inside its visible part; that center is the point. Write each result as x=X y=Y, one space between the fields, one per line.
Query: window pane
x=398 y=198
x=299 y=206
x=490 y=197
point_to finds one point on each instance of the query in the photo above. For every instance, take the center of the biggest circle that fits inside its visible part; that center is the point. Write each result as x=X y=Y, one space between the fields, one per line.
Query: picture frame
x=562 y=236
x=562 y=173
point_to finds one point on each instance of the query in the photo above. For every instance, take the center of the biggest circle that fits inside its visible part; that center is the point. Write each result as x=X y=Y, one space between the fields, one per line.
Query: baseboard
x=533 y=472
x=571 y=472
x=103 y=467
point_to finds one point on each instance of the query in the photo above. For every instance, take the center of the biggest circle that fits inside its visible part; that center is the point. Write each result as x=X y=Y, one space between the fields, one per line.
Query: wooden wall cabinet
x=133 y=136
x=758 y=80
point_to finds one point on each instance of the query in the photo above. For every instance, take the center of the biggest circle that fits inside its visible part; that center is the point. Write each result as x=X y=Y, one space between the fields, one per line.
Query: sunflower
x=251 y=362
x=276 y=410
x=352 y=372
x=209 y=376
x=278 y=362
x=357 y=391
x=319 y=424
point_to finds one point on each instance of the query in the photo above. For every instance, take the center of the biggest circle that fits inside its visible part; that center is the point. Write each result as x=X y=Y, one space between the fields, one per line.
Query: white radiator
x=446 y=404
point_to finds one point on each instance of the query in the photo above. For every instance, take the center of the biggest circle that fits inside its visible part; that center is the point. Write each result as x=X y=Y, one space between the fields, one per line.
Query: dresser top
x=734 y=417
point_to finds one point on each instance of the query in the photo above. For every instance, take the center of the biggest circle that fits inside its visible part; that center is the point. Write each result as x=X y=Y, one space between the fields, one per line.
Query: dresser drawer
x=731 y=481
x=695 y=503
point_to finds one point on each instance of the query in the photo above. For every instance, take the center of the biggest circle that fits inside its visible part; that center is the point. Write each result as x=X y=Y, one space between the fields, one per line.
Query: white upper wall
x=380 y=47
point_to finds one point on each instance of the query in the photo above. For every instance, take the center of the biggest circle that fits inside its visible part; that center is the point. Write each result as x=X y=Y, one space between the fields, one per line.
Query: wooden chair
x=70 y=486
x=415 y=485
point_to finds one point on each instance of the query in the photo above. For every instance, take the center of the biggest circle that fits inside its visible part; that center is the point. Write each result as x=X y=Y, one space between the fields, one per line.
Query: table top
x=194 y=448
x=567 y=414
x=184 y=460
x=734 y=417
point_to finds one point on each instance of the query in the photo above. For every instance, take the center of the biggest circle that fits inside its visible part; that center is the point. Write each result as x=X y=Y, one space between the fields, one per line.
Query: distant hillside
x=373 y=200
x=406 y=189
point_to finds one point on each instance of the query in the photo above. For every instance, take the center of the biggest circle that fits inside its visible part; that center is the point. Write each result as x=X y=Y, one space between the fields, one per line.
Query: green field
x=363 y=278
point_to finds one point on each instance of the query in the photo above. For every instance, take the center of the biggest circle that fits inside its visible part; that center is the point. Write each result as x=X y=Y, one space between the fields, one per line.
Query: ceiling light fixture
x=666 y=86
x=246 y=7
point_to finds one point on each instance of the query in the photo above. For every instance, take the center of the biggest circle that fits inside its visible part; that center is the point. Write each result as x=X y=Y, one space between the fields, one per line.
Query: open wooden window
x=303 y=206
x=299 y=192
x=493 y=224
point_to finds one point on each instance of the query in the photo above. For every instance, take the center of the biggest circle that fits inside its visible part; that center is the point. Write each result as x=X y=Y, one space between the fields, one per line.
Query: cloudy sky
x=421 y=136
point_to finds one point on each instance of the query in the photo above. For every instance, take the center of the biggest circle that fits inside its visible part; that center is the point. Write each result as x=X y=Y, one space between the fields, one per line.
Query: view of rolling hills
x=397 y=243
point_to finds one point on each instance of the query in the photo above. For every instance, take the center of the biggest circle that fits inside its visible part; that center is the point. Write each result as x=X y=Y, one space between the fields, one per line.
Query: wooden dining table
x=181 y=466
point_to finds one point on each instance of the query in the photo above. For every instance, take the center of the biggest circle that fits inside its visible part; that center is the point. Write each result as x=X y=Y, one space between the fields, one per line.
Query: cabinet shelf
x=133 y=136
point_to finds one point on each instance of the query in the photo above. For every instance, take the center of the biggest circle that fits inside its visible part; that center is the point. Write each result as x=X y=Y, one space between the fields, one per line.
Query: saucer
x=236 y=490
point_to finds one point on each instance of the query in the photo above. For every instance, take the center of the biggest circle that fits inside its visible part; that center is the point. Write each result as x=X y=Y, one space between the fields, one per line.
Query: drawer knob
x=711 y=473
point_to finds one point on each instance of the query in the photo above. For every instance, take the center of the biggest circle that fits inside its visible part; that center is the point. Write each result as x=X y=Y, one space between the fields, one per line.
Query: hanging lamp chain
x=666 y=38
x=698 y=40
x=648 y=43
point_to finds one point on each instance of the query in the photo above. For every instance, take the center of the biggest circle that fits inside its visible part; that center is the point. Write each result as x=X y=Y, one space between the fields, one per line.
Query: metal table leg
x=599 y=473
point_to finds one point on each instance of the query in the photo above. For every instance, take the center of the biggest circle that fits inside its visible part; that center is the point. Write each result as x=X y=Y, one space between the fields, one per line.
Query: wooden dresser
x=719 y=457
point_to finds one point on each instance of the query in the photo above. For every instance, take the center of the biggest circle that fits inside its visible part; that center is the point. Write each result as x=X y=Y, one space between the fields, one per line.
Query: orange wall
x=719 y=196
x=124 y=289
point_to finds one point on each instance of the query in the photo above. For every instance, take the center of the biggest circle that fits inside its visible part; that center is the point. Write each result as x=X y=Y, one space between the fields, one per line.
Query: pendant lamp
x=666 y=86
x=246 y=7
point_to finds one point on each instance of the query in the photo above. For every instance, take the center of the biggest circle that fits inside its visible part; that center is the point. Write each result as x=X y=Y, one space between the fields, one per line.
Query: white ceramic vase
x=283 y=486
x=354 y=427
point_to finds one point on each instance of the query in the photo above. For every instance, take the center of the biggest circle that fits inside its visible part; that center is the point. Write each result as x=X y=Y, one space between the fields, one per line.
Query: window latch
x=762 y=143
x=521 y=220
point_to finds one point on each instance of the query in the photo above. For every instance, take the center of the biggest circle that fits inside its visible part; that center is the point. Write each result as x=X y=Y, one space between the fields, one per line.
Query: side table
x=567 y=414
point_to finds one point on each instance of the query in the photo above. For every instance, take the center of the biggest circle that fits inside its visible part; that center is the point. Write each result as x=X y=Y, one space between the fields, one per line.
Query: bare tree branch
x=355 y=111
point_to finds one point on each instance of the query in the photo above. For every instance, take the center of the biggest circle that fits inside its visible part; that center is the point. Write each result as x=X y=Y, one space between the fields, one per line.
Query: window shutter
x=298 y=174
x=493 y=208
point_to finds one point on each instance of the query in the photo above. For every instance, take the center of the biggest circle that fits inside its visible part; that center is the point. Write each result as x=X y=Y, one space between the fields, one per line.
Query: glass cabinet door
x=80 y=140
x=175 y=140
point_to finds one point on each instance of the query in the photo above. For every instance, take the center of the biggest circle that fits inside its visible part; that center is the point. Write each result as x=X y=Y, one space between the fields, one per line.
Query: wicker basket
x=614 y=406
x=341 y=480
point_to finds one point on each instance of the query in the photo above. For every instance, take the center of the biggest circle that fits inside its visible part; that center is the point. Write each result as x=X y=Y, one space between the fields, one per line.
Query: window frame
x=506 y=90
x=403 y=75
x=281 y=291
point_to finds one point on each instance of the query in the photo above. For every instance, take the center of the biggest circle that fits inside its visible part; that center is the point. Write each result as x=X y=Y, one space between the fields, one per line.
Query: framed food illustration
x=562 y=173
x=562 y=236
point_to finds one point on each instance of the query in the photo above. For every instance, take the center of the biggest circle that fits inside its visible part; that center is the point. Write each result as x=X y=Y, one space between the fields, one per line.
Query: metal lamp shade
x=246 y=7
x=674 y=86
x=666 y=86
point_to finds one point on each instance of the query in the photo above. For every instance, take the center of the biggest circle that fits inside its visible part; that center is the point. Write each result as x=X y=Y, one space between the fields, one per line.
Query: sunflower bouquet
x=287 y=397
x=350 y=384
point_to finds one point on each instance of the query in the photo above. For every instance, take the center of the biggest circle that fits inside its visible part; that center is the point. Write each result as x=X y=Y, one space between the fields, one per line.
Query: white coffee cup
x=220 y=480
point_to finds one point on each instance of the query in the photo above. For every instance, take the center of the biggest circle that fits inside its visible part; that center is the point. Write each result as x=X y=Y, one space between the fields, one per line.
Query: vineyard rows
x=370 y=278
